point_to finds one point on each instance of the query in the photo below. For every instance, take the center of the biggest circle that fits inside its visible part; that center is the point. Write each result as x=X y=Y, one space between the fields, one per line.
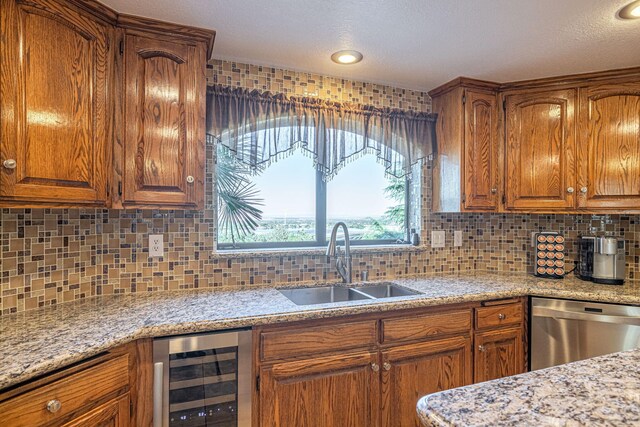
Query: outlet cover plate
x=457 y=238
x=156 y=245
x=437 y=239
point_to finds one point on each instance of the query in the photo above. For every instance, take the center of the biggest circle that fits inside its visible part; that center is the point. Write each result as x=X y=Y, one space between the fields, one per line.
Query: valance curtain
x=260 y=127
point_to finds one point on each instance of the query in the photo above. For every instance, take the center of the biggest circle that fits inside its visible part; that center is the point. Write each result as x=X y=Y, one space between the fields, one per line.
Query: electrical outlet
x=156 y=245
x=437 y=239
x=457 y=238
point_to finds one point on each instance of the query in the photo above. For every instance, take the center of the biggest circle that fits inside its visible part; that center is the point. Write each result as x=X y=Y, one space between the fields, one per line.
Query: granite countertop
x=603 y=391
x=36 y=342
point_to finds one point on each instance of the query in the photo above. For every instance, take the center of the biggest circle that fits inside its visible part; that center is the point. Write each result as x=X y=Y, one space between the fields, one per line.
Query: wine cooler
x=202 y=380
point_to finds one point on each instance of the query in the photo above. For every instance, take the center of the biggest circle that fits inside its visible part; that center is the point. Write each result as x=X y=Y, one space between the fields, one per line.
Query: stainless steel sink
x=322 y=295
x=328 y=294
x=386 y=290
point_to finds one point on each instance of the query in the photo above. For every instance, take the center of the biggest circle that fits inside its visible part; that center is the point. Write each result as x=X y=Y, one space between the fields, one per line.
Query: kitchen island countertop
x=602 y=391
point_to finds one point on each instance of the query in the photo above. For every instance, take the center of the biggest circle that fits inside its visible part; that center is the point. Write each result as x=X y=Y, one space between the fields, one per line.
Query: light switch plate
x=156 y=245
x=437 y=239
x=457 y=238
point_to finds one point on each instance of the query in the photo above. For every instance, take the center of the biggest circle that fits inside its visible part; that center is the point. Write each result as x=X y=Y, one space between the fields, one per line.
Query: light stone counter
x=603 y=391
x=36 y=342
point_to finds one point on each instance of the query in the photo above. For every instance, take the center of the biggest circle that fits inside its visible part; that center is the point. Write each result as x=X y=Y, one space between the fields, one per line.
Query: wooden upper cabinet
x=609 y=149
x=465 y=168
x=540 y=151
x=164 y=105
x=56 y=116
x=480 y=151
x=411 y=371
x=341 y=390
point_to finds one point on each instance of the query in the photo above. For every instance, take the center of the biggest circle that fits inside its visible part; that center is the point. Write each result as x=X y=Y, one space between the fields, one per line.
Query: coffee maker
x=601 y=259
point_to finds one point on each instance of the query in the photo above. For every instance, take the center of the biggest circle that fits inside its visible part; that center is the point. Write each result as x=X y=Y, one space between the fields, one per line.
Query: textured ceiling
x=416 y=44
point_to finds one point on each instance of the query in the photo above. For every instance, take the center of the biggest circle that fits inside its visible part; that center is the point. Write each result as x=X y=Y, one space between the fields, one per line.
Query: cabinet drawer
x=294 y=342
x=76 y=393
x=425 y=326
x=498 y=315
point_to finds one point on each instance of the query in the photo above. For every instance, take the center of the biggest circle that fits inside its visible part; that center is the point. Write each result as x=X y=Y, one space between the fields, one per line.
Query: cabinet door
x=498 y=354
x=56 y=112
x=114 y=413
x=540 y=145
x=481 y=151
x=411 y=371
x=339 y=391
x=609 y=153
x=163 y=123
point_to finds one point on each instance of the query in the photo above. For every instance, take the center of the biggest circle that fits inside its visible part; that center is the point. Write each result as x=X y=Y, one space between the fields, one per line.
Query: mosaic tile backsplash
x=49 y=256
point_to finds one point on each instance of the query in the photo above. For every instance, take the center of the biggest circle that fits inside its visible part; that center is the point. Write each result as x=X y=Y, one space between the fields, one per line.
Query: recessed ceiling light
x=630 y=11
x=346 y=57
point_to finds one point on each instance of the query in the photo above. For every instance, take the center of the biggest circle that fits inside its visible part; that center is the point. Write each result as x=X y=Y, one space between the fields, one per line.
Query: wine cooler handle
x=158 y=382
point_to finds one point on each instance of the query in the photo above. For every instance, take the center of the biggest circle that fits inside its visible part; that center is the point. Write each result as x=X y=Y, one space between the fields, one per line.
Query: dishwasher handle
x=572 y=315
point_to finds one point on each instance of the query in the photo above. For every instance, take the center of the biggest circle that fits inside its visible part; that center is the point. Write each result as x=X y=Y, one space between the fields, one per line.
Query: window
x=287 y=204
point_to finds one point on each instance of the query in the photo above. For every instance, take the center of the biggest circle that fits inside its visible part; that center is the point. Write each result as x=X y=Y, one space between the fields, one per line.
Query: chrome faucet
x=343 y=264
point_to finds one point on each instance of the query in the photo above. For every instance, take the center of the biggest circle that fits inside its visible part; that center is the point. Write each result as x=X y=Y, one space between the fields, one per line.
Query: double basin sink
x=341 y=293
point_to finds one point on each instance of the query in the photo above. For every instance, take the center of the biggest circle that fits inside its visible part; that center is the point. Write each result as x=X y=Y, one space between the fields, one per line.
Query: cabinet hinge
x=121 y=47
x=504 y=105
x=464 y=98
x=464 y=198
x=119 y=188
x=131 y=412
x=504 y=199
x=258 y=383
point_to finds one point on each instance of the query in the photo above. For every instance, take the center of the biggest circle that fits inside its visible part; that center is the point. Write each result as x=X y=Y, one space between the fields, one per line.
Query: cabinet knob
x=482 y=348
x=494 y=190
x=190 y=179
x=375 y=367
x=386 y=366
x=501 y=316
x=584 y=190
x=9 y=164
x=570 y=190
x=54 y=406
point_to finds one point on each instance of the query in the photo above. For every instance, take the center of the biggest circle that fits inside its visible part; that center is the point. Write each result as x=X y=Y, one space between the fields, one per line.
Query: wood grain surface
x=540 y=150
x=56 y=121
x=609 y=155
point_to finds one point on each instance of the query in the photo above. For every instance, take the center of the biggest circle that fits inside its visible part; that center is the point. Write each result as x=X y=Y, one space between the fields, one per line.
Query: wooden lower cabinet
x=411 y=371
x=340 y=391
x=370 y=370
x=114 y=413
x=498 y=353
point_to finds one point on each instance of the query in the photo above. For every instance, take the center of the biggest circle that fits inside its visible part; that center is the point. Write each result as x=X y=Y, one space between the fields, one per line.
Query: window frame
x=321 y=227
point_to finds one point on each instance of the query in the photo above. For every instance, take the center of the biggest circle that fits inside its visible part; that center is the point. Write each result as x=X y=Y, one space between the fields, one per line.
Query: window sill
x=311 y=251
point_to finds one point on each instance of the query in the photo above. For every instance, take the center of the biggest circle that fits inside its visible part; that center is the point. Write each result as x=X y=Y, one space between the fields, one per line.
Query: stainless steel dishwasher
x=202 y=380
x=564 y=331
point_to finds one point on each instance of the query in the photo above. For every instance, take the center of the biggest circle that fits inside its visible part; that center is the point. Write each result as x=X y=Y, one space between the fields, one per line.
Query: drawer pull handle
x=482 y=348
x=501 y=316
x=570 y=190
x=190 y=179
x=54 y=406
x=9 y=164
x=375 y=367
x=386 y=366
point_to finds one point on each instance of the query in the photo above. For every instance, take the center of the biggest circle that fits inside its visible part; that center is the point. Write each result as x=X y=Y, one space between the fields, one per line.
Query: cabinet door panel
x=540 y=151
x=164 y=140
x=56 y=68
x=609 y=162
x=498 y=354
x=337 y=391
x=480 y=143
x=418 y=369
x=114 y=413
